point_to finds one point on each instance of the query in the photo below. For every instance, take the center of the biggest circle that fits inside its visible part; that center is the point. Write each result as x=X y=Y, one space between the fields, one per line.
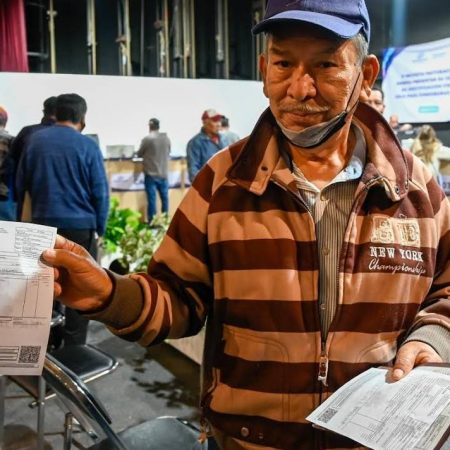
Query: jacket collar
x=262 y=156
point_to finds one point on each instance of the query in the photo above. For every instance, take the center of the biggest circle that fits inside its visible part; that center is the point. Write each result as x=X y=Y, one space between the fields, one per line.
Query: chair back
x=77 y=399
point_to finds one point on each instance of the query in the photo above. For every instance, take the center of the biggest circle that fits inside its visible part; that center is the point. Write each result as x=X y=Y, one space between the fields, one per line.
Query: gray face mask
x=316 y=135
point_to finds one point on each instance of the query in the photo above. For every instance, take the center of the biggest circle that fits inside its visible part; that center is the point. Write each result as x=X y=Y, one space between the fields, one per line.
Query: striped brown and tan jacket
x=241 y=251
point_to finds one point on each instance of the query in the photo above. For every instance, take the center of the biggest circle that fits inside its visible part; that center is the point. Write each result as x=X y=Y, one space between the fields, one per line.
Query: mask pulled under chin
x=315 y=135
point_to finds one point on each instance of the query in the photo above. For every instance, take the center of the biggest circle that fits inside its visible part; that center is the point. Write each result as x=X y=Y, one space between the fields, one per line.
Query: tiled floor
x=148 y=383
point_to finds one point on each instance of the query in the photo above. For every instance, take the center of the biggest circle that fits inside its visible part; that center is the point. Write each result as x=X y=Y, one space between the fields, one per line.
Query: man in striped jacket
x=316 y=248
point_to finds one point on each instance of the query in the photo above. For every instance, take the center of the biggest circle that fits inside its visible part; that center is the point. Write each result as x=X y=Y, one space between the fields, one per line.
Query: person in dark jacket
x=48 y=119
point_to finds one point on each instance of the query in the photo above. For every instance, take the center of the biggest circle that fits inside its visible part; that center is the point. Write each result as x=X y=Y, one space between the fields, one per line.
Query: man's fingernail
x=49 y=253
x=398 y=373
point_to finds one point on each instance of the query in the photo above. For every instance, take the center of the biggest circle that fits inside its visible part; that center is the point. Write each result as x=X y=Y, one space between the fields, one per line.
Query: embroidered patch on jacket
x=389 y=230
x=398 y=257
x=409 y=232
x=383 y=231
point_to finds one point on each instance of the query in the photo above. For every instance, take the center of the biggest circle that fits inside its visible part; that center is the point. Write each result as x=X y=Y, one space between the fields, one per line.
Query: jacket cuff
x=436 y=336
x=124 y=306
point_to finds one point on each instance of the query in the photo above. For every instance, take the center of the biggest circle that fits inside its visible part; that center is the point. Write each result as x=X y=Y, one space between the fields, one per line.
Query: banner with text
x=416 y=82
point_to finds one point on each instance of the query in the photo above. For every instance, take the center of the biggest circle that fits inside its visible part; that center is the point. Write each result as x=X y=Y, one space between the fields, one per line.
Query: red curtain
x=13 y=37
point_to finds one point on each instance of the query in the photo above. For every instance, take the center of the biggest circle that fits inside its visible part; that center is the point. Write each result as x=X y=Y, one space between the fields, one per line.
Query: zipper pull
x=205 y=431
x=323 y=368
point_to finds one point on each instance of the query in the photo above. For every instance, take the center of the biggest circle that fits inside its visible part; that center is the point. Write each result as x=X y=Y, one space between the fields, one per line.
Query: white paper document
x=26 y=297
x=410 y=414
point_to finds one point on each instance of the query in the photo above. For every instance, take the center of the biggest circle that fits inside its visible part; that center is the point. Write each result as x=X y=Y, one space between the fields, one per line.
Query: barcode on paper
x=327 y=415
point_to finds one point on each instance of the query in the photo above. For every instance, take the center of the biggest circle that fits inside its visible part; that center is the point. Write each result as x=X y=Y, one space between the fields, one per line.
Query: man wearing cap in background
x=204 y=144
x=7 y=204
x=316 y=248
x=155 y=151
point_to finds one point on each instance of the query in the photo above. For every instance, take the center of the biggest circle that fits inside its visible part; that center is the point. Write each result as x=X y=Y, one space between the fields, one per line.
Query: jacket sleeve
x=173 y=298
x=141 y=150
x=193 y=155
x=432 y=323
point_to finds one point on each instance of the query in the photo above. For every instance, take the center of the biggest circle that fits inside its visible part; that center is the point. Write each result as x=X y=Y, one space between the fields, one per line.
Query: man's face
x=309 y=76
x=393 y=121
x=375 y=100
x=212 y=126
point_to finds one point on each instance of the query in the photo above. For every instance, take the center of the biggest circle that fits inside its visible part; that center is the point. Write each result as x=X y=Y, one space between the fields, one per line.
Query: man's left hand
x=410 y=355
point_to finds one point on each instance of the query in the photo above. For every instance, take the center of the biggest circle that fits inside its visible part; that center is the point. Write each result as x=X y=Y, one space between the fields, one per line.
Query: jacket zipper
x=323 y=364
x=205 y=428
x=323 y=359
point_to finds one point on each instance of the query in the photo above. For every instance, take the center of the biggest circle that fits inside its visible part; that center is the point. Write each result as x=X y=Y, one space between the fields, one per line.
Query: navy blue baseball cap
x=345 y=18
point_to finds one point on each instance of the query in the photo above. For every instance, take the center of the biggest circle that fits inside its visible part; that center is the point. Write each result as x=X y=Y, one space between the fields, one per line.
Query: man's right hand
x=80 y=282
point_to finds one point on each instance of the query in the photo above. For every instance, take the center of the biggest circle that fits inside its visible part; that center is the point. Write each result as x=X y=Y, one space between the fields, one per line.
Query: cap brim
x=336 y=25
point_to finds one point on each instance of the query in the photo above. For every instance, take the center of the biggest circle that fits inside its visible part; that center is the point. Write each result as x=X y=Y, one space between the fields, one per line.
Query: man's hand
x=80 y=282
x=410 y=355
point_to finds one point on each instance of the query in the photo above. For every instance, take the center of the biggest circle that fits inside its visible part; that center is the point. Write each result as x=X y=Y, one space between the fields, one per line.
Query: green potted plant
x=131 y=241
x=137 y=245
x=118 y=220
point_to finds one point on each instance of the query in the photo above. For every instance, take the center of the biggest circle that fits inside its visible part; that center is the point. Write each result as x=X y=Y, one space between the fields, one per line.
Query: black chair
x=77 y=401
x=85 y=361
x=168 y=433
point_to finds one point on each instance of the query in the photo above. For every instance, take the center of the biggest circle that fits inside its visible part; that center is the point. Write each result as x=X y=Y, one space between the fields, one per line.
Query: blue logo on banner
x=430 y=109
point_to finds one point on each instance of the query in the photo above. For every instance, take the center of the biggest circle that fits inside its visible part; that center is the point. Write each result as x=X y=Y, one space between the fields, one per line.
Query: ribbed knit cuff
x=124 y=306
x=436 y=336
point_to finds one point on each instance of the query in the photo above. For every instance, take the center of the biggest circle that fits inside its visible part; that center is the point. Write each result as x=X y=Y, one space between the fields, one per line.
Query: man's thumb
x=63 y=258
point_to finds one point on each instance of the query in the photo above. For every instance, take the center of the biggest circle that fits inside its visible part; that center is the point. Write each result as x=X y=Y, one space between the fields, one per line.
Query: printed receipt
x=26 y=297
x=411 y=414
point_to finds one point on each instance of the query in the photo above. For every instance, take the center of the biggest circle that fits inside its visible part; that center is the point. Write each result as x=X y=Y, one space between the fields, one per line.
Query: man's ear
x=263 y=71
x=370 y=70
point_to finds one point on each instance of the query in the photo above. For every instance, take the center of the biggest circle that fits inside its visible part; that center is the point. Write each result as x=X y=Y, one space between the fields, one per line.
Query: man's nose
x=302 y=85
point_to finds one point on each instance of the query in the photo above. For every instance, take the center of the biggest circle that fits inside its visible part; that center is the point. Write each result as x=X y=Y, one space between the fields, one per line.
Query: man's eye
x=326 y=64
x=282 y=64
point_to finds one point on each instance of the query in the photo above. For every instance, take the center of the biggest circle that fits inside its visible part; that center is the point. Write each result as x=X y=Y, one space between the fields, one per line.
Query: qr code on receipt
x=29 y=354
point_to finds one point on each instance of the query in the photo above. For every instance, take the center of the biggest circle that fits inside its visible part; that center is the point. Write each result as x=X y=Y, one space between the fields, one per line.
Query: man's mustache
x=303 y=108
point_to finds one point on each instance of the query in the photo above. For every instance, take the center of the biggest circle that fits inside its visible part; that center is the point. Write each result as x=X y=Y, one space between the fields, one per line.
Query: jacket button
x=260 y=436
x=245 y=432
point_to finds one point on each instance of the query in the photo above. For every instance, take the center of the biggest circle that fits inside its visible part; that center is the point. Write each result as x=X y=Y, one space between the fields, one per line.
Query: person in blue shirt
x=229 y=137
x=63 y=172
x=204 y=144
